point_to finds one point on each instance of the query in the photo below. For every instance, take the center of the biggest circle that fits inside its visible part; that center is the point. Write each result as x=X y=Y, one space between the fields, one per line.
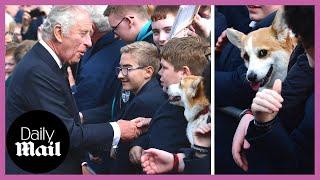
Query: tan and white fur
x=266 y=52
x=189 y=93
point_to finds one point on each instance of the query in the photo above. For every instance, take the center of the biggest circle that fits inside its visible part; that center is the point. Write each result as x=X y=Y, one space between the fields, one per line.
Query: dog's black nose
x=252 y=77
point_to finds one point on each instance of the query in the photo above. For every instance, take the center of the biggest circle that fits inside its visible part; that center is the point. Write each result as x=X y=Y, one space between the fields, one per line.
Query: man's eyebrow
x=125 y=65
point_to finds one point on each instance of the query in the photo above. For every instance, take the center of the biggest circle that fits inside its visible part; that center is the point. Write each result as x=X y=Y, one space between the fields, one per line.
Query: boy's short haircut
x=146 y=54
x=121 y=10
x=187 y=51
x=161 y=12
x=10 y=50
x=22 y=49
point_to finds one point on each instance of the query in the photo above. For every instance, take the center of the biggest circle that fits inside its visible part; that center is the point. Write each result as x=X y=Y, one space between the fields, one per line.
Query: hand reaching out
x=135 y=154
x=155 y=161
x=239 y=143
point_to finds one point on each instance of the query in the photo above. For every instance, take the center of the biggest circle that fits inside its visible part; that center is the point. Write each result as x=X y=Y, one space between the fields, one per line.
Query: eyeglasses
x=125 y=70
x=115 y=28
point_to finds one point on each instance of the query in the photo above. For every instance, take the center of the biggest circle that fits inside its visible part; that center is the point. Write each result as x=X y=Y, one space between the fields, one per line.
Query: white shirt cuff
x=116 y=134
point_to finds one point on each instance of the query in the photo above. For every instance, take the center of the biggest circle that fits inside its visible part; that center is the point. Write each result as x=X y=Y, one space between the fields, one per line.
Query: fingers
x=277 y=86
x=141 y=121
x=128 y=129
x=147 y=163
x=221 y=39
x=239 y=143
x=271 y=96
x=135 y=154
x=70 y=76
x=265 y=104
x=204 y=129
x=267 y=101
x=236 y=149
x=244 y=160
x=246 y=144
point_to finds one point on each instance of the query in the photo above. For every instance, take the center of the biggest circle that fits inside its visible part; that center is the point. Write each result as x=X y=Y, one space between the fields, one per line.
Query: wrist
x=175 y=166
x=245 y=112
x=181 y=156
x=264 y=125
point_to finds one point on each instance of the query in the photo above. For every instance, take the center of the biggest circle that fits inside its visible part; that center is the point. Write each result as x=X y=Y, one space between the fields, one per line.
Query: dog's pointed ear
x=279 y=26
x=194 y=86
x=235 y=37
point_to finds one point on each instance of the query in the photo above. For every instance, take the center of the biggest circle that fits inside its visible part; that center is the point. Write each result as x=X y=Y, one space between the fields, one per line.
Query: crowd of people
x=105 y=73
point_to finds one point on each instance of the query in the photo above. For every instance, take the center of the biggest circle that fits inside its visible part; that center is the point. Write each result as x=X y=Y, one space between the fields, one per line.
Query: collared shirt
x=52 y=53
x=115 y=126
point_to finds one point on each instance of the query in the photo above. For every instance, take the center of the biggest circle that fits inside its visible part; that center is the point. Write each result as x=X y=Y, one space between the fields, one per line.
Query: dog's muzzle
x=256 y=85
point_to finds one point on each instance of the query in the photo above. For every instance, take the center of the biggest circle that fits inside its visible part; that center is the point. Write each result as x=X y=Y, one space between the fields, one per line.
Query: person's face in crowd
x=75 y=43
x=132 y=76
x=259 y=12
x=161 y=30
x=168 y=74
x=123 y=27
x=10 y=64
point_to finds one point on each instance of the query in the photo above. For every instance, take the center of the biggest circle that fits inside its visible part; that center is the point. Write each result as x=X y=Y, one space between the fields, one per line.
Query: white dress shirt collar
x=53 y=54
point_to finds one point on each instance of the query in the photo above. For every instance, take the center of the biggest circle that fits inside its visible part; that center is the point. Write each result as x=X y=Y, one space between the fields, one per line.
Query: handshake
x=134 y=128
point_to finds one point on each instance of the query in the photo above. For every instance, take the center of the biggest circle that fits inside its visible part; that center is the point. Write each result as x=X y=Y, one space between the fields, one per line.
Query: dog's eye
x=262 y=53
x=246 y=56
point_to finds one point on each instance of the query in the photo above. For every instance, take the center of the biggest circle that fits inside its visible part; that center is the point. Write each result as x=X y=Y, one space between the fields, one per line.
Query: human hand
x=221 y=41
x=26 y=19
x=200 y=27
x=128 y=130
x=202 y=135
x=142 y=123
x=239 y=142
x=86 y=170
x=70 y=76
x=135 y=154
x=155 y=161
x=265 y=106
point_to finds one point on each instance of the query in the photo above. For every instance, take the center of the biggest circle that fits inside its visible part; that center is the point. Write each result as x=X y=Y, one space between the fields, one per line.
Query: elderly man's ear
x=57 y=31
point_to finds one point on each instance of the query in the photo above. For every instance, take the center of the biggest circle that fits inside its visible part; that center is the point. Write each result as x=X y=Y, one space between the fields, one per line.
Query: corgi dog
x=189 y=93
x=266 y=52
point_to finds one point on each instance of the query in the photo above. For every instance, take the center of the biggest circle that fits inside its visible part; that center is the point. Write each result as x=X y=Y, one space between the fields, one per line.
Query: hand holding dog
x=239 y=143
x=265 y=106
x=202 y=135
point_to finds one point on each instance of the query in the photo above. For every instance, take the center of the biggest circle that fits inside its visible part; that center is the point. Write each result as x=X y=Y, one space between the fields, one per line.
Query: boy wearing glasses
x=139 y=65
x=180 y=57
x=130 y=23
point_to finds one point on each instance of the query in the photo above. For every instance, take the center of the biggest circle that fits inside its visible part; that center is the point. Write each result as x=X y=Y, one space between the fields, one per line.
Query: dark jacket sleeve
x=286 y=152
x=197 y=165
x=45 y=92
x=97 y=115
x=232 y=88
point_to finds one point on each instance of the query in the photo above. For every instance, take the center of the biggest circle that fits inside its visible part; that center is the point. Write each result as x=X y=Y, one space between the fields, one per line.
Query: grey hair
x=62 y=15
x=101 y=21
